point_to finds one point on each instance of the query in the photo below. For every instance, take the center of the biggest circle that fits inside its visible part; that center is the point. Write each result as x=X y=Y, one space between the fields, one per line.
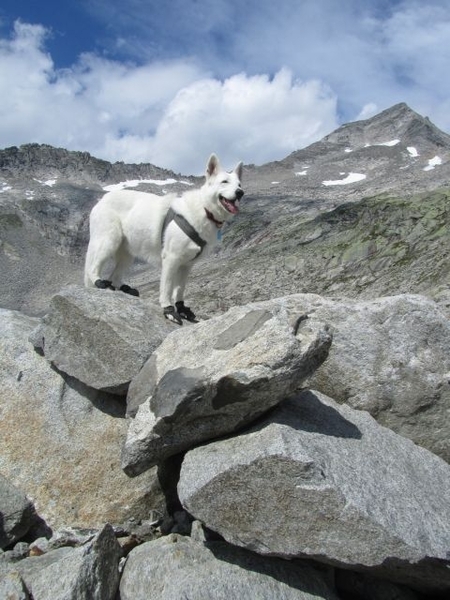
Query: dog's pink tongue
x=232 y=208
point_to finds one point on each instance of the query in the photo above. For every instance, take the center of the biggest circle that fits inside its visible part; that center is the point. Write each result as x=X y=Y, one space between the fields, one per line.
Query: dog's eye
x=225 y=181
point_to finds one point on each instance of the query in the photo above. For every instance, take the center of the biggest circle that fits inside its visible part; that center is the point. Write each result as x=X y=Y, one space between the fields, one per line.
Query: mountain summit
x=398 y=122
x=397 y=149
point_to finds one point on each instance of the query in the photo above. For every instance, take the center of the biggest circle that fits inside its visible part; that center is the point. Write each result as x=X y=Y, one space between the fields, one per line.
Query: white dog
x=128 y=224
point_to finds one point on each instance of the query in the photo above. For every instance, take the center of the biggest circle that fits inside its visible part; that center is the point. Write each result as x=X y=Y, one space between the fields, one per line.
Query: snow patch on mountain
x=48 y=182
x=135 y=182
x=351 y=178
x=412 y=151
x=433 y=162
x=390 y=143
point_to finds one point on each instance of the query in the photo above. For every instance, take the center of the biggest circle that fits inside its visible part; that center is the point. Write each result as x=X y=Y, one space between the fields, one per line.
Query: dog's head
x=224 y=187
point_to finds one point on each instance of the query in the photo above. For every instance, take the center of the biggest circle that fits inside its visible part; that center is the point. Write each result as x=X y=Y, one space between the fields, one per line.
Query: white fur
x=127 y=224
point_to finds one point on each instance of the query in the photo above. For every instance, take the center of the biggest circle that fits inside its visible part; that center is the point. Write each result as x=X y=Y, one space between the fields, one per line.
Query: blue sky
x=170 y=82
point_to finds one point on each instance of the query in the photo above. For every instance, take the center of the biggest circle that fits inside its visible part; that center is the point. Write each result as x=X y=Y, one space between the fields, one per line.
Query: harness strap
x=185 y=226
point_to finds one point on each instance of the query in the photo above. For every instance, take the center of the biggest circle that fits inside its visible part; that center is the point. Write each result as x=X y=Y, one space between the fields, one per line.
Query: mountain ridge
x=44 y=160
x=398 y=120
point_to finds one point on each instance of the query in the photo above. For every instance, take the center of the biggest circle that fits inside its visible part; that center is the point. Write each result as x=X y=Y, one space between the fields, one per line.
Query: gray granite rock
x=99 y=337
x=390 y=356
x=16 y=513
x=176 y=567
x=320 y=480
x=211 y=379
x=12 y=586
x=61 y=441
x=86 y=573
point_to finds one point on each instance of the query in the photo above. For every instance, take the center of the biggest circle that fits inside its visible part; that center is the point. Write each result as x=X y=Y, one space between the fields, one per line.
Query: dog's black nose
x=239 y=193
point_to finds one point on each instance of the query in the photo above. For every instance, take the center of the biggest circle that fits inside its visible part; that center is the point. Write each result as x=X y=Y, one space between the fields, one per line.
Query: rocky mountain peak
x=398 y=122
x=397 y=150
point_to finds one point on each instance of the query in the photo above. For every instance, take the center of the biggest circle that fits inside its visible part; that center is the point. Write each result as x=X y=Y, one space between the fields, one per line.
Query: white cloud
x=83 y=107
x=255 y=119
x=368 y=110
x=169 y=113
x=371 y=53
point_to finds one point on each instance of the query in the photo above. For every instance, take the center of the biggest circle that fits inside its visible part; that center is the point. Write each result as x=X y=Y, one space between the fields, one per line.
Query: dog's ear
x=238 y=169
x=212 y=166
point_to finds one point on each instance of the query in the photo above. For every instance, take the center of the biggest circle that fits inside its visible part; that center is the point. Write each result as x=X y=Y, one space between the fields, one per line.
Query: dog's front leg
x=184 y=311
x=170 y=273
x=181 y=280
x=169 y=268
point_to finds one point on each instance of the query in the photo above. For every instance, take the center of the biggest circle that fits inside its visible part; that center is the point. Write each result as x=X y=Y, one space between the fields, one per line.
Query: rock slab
x=90 y=572
x=175 y=567
x=320 y=480
x=389 y=356
x=209 y=380
x=100 y=337
x=61 y=441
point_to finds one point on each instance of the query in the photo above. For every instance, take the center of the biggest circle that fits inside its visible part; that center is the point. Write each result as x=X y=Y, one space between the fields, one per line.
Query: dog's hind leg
x=105 y=240
x=124 y=261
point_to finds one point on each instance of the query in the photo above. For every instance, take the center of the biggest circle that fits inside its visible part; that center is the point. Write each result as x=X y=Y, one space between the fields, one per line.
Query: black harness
x=185 y=226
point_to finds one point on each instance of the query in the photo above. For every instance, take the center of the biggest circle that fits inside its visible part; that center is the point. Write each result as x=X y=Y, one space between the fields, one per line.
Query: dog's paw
x=126 y=289
x=185 y=312
x=171 y=315
x=104 y=284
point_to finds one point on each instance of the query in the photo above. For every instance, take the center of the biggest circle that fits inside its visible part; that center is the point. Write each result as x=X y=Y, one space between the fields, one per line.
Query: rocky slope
x=46 y=195
x=226 y=447
x=381 y=245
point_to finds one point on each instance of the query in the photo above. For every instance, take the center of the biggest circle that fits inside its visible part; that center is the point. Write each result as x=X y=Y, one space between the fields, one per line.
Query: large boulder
x=61 y=441
x=211 y=379
x=317 y=479
x=99 y=337
x=90 y=572
x=16 y=513
x=176 y=567
x=390 y=356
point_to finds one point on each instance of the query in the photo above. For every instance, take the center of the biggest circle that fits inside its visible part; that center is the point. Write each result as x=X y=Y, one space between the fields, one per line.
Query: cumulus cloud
x=169 y=113
x=85 y=106
x=255 y=119
x=367 y=51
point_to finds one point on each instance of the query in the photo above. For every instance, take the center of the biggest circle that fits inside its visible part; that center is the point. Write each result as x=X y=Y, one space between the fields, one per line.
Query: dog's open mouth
x=229 y=205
